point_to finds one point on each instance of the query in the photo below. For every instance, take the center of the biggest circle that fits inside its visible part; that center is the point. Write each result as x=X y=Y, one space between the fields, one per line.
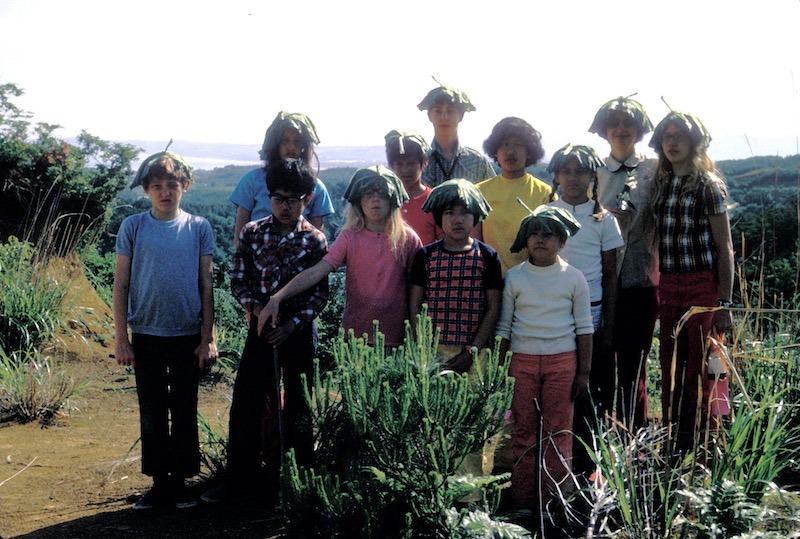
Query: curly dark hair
x=519 y=128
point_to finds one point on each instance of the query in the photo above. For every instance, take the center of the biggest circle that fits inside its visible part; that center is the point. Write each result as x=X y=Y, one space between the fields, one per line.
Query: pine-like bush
x=391 y=430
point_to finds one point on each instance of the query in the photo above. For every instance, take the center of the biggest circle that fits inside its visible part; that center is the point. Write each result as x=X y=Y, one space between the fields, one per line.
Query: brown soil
x=80 y=477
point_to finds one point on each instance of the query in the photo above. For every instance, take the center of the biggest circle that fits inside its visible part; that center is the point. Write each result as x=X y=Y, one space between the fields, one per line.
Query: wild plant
x=33 y=387
x=213 y=446
x=32 y=303
x=391 y=431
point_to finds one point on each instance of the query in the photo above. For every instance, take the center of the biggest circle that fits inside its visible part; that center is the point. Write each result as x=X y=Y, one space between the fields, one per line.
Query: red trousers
x=546 y=382
x=678 y=292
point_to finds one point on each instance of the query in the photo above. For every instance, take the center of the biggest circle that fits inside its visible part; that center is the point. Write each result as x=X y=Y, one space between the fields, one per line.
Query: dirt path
x=78 y=478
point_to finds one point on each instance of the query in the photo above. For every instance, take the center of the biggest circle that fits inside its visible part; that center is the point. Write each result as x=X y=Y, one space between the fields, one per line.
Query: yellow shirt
x=501 y=225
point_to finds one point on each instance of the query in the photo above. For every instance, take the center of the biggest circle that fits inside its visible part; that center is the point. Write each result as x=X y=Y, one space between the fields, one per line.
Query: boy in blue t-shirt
x=163 y=292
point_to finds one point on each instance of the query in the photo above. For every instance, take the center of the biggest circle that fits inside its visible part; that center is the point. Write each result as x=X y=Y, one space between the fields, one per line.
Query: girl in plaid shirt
x=695 y=260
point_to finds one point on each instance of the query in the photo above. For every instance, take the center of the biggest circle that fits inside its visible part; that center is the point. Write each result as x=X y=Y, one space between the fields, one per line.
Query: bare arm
x=318 y=223
x=415 y=298
x=242 y=218
x=299 y=283
x=584 y=352
x=721 y=234
x=123 y=351
x=206 y=351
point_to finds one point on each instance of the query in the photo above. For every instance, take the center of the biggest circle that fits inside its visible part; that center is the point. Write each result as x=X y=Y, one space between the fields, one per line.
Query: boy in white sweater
x=546 y=323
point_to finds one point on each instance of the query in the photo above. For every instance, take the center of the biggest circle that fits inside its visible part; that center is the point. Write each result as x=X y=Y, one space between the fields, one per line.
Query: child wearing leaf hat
x=407 y=155
x=163 y=292
x=446 y=107
x=460 y=280
x=625 y=186
x=696 y=264
x=594 y=252
x=377 y=247
x=546 y=323
x=291 y=135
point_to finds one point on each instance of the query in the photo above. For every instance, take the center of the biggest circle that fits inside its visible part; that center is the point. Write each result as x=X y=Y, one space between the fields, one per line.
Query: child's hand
x=268 y=315
x=123 y=351
x=580 y=386
x=207 y=354
x=460 y=363
x=276 y=336
x=723 y=321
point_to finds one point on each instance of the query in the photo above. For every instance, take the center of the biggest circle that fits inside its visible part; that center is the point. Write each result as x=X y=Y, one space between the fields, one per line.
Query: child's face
x=165 y=195
x=445 y=117
x=408 y=169
x=677 y=146
x=287 y=208
x=543 y=248
x=291 y=144
x=457 y=222
x=511 y=156
x=375 y=205
x=574 y=181
x=621 y=131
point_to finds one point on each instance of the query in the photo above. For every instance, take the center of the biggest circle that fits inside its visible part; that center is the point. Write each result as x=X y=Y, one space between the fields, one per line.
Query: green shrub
x=31 y=302
x=391 y=431
x=33 y=387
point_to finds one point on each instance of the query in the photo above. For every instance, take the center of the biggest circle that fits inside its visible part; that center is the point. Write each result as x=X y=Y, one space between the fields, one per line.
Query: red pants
x=678 y=292
x=547 y=381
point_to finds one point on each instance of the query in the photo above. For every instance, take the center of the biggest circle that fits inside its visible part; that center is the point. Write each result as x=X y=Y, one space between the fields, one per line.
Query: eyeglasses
x=677 y=138
x=277 y=200
x=627 y=123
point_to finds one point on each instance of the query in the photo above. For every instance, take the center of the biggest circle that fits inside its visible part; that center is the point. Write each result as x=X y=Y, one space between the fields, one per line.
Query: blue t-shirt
x=164 y=295
x=251 y=194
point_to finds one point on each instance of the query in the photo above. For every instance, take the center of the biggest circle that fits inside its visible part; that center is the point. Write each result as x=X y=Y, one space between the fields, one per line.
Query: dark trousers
x=637 y=312
x=166 y=383
x=598 y=401
x=254 y=430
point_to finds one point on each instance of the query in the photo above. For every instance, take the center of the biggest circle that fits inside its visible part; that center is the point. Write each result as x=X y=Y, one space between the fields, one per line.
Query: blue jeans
x=166 y=383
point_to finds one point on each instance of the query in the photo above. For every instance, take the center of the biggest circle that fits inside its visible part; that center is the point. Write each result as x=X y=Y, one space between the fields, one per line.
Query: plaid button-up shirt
x=467 y=163
x=266 y=261
x=684 y=232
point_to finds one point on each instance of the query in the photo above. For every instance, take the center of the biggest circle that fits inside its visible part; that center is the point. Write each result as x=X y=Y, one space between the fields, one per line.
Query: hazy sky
x=220 y=71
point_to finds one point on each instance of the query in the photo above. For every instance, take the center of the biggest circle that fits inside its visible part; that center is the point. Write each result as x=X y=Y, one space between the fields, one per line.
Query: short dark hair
x=438 y=212
x=519 y=128
x=290 y=175
x=445 y=99
x=166 y=168
x=410 y=147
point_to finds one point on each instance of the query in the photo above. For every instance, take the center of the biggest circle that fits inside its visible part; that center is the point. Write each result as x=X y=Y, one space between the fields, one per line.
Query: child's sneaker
x=181 y=496
x=157 y=496
x=220 y=494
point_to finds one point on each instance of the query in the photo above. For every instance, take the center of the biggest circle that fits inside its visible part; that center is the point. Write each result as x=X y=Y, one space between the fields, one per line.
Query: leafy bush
x=31 y=302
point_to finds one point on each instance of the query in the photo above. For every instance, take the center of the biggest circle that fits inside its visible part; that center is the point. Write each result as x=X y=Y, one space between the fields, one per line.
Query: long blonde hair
x=702 y=167
x=395 y=230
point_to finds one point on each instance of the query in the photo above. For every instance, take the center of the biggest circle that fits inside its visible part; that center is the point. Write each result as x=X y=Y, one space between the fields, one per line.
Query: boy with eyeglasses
x=271 y=251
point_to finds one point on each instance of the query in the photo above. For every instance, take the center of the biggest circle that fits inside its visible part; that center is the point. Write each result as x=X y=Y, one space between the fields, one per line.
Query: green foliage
x=213 y=446
x=99 y=270
x=54 y=193
x=391 y=431
x=33 y=388
x=32 y=304
x=723 y=511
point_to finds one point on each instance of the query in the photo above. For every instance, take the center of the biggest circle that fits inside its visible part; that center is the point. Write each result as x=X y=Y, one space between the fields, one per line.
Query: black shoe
x=181 y=496
x=158 y=496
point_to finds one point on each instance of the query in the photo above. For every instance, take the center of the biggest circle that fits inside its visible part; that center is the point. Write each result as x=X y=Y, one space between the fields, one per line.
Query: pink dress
x=376 y=283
